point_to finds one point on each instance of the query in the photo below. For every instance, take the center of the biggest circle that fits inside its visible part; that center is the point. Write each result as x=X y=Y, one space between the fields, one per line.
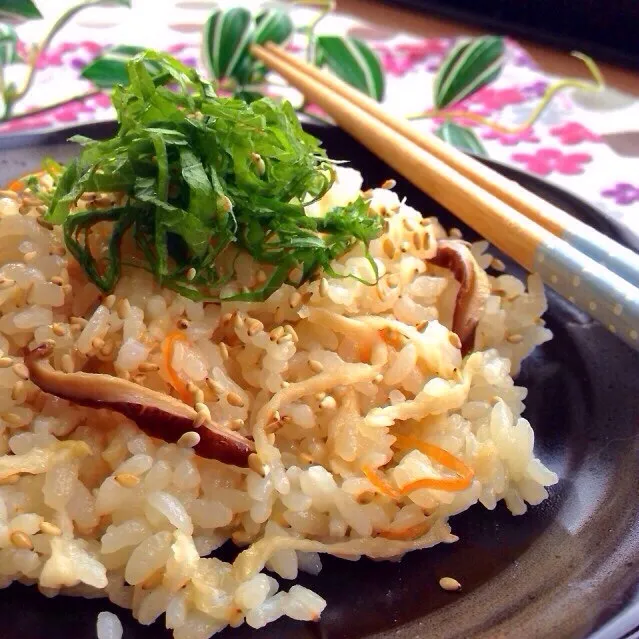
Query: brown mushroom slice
x=474 y=288
x=158 y=415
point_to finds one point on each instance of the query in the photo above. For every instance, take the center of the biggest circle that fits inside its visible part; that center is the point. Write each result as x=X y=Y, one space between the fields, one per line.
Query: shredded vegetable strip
x=380 y=483
x=443 y=457
x=167 y=357
x=406 y=534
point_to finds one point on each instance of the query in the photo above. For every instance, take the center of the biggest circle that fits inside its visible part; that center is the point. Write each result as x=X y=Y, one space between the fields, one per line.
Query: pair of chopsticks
x=588 y=268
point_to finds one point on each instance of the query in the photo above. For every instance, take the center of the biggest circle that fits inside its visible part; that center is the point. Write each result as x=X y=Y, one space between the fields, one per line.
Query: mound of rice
x=323 y=377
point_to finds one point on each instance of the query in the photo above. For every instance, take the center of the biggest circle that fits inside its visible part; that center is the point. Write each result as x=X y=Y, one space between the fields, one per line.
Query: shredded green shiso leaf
x=203 y=173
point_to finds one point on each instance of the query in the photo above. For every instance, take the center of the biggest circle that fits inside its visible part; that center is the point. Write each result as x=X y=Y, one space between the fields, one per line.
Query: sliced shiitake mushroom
x=158 y=415
x=474 y=288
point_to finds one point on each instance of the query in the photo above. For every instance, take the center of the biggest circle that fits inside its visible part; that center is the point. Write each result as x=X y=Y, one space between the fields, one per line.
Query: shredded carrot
x=443 y=457
x=380 y=482
x=15 y=185
x=406 y=534
x=167 y=357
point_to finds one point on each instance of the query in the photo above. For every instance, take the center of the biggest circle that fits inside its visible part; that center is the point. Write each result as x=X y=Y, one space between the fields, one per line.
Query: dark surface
x=604 y=29
x=563 y=570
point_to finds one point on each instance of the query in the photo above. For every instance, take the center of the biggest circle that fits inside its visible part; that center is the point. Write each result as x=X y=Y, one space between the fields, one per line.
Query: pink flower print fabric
x=547 y=161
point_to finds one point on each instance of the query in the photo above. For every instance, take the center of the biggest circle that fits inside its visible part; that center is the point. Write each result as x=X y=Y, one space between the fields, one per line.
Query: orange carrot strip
x=406 y=534
x=167 y=357
x=15 y=185
x=443 y=457
x=380 y=482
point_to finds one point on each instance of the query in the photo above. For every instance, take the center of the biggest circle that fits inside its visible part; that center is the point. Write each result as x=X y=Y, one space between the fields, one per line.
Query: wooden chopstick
x=584 y=281
x=601 y=248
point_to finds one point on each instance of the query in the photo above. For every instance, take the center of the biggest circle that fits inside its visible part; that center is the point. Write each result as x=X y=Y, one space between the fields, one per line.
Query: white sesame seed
x=190 y=439
x=190 y=274
x=450 y=584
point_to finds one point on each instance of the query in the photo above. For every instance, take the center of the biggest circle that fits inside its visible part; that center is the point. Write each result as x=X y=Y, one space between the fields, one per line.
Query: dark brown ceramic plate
x=566 y=569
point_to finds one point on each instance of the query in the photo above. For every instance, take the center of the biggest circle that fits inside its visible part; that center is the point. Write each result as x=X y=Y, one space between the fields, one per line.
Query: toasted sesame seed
x=225 y=203
x=57 y=280
x=323 y=287
x=199 y=421
x=20 y=539
x=124 y=308
x=450 y=584
x=238 y=321
x=67 y=289
x=453 y=338
x=5 y=362
x=276 y=333
x=190 y=274
x=388 y=247
x=497 y=264
x=60 y=251
x=404 y=246
x=420 y=326
x=260 y=166
x=255 y=464
x=21 y=370
x=109 y=301
x=67 y=363
x=29 y=256
x=201 y=407
x=97 y=343
x=140 y=378
x=190 y=439
x=226 y=318
x=58 y=329
x=48 y=528
x=236 y=424
x=78 y=321
x=149 y=367
x=216 y=387
x=455 y=232
x=285 y=338
x=515 y=338
x=328 y=403
x=260 y=277
x=389 y=184
x=224 y=350
x=295 y=299
x=291 y=331
x=234 y=399
x=127 y=480
x=378 y=379
x=183 y=323
x=315 y=366
x=254 y=326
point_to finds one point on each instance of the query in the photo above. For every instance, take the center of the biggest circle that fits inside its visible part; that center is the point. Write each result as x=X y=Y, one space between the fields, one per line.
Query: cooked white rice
x=90 y=505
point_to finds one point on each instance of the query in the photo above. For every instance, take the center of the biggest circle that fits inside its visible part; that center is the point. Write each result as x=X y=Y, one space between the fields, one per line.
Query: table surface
x=554 y=61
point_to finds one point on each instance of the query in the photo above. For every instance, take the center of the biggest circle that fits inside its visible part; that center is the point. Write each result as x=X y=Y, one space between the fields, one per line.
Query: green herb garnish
x=201 y=173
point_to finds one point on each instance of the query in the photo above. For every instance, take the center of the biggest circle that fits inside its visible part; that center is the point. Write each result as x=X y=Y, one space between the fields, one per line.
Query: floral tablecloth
x=587 y=143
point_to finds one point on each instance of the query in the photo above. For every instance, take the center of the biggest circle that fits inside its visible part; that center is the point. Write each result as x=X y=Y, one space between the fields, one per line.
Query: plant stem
x=44 y=109
x=326 y=7
x=554 y=88
x=36 y=51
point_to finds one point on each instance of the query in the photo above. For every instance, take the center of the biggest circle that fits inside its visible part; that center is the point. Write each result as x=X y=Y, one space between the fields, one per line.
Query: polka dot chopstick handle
x=604 y=249
x=591 y=286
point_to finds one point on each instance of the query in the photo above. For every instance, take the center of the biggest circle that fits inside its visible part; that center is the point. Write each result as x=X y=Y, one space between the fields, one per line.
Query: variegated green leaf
x=18 y=10
x=468 y=67
x=354 y=62
x=109 y=69
x=272 y=25
x=227 y=36
x=461 y=137
x=8 y=45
